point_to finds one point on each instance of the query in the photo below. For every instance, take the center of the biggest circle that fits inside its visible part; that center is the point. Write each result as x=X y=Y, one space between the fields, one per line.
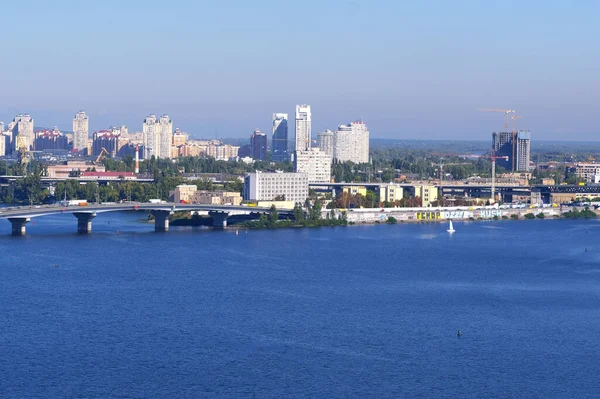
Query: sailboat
x=450 y=228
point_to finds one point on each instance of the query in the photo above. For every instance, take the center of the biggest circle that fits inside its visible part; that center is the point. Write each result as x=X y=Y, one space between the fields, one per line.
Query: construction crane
x=102 y=154
x=442 y=164
x=493 y=157
x=506 y=112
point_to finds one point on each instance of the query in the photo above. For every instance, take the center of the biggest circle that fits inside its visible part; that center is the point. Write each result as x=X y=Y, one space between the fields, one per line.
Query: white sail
x=450 y=228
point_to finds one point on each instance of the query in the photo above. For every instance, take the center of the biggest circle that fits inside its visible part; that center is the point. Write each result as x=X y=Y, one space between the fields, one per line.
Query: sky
x=409 y=69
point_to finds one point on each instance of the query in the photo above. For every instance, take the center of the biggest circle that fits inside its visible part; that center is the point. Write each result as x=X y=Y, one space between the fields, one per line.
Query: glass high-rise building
x=280 y=138
x=258 y=145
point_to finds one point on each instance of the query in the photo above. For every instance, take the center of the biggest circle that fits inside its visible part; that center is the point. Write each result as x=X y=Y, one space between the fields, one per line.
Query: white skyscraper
x=158 y=136
x=80 y=131
x=151 y=139
x=21 y=130
x=165 y=128
x=351 y=143
x=303 y=127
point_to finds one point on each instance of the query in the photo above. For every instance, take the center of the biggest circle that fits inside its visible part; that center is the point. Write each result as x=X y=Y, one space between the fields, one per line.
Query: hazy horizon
x=411 y=71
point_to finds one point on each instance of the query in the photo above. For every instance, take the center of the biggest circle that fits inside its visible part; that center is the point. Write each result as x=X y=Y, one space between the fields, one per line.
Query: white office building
x=260 y=186
x=303 y=127
x=315 y=163
x=80 y=131
x=351 y=143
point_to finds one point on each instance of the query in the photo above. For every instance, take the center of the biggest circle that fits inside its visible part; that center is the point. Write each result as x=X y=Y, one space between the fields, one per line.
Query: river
x=357 y=311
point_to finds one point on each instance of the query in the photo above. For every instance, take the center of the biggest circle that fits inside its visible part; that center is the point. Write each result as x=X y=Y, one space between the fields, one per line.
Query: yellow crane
x=506 y=112
x=102 y=154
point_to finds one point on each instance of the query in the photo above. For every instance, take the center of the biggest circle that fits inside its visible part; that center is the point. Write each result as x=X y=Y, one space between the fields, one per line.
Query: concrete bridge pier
x=219 y=219
x=18 y=225
x=161 y=220
x=84 y=221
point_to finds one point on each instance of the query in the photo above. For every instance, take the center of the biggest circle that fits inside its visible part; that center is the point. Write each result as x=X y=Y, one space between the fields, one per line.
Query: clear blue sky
x=411 y=69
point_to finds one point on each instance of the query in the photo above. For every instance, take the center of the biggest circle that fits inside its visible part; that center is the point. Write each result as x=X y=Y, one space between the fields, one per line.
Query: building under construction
x=514 y=145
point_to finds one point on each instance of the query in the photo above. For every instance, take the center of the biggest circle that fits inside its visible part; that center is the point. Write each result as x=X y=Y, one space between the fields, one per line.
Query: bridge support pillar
x=219 y=219
x=84 y=222
x=18 y=226
x=161 y=220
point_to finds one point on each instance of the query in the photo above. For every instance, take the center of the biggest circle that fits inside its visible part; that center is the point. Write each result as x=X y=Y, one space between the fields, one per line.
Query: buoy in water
x=459 y=333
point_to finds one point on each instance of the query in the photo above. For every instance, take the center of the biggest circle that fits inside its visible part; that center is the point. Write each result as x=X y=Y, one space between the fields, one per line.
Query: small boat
x=237 y=232
x=450 y=228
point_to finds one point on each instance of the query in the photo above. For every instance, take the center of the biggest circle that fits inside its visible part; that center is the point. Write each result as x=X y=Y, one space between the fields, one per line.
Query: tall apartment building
x=315 y=163
x=258 y=145
x=107 y=139
x=80 y=131
x=351 y=143
x=514 y=145
x=50 y=140
x=280 y=138
x=165 y=132
x=179 y=138
x=259 y=186
x=21 y=130
x=325 y=142
x=303 y=127
x=158 y=136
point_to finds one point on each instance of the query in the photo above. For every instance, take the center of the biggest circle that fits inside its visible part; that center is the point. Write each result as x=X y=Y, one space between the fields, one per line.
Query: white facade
x=325 y=142
x=259 y=186
x=303 y=127
x=3 y=141
x=21 y=129
x=165 y=136
x=351 y=143
x=80 y=131
x=158 y=136
x=315 y=163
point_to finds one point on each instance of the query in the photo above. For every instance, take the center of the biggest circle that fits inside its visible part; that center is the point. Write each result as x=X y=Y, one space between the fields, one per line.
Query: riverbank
x=398 y=216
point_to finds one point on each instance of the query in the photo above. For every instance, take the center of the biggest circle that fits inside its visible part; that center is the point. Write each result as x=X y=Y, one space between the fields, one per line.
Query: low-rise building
x=72 y=169
x=189 y=193
x=263 y=186
x=391 y=193
x=428 y=194
x=588 y=172
x=89 y=175
x=354 y=190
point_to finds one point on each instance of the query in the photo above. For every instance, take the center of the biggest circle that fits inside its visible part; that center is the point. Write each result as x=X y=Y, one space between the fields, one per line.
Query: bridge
x=19 y=216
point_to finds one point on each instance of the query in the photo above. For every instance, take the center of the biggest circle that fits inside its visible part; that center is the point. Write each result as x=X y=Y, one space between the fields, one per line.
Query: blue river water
x=358 y=311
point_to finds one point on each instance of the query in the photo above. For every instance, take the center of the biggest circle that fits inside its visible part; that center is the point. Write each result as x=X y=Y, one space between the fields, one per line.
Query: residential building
x=280 y=138
x=588 y=172
x=351 y=143
x=325 y=141
x=80 y=131
x=213 y=148
x=263 y=186
x=158 y=136
x=179 y=138
x=189 y=193
x=4 y=139
x=303 y=127
x=391 y=193
x=355 y=190
x=165 y=136
x=428 y=194
x=151 y=138
x=105 y=139
x=516 y=146
x=21 y=130
x=50 y=140
x=258 y=145
x=315 y=163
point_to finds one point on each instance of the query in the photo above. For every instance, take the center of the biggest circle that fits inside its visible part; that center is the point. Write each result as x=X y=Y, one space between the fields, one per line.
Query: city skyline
x=407 y=69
